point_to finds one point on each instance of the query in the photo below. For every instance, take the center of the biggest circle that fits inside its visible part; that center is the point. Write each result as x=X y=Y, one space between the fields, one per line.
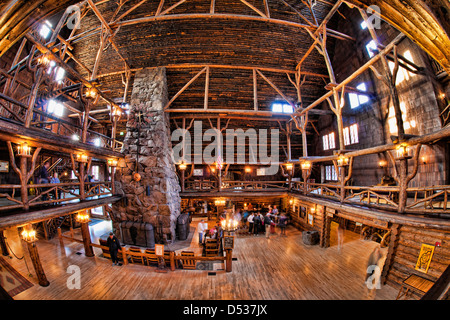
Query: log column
x=3 y=245
x=34 y=255
x=86 y=239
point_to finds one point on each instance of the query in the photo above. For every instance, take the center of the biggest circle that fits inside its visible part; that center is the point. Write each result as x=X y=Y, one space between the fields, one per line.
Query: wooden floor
x=280 y=268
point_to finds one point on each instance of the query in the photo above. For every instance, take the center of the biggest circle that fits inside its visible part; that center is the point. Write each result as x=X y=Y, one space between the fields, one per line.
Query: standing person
x=250 y=222
x=55 y=179
x=201 y=228
x=256 y=224
x=267 y=224
x=282 y=224
x=114 y=246
x=44 y=178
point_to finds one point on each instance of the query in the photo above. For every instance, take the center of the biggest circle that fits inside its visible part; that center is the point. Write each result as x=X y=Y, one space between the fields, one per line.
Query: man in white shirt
x=201 y=228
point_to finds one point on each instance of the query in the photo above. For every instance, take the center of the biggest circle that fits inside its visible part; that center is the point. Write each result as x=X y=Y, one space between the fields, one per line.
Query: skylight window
x=371 y=48
x=279 y=107
x=45 y=29
x=55 y=108
x=357 y=99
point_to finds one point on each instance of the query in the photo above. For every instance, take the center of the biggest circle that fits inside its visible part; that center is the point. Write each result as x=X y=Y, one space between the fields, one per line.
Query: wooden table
x=414 y=283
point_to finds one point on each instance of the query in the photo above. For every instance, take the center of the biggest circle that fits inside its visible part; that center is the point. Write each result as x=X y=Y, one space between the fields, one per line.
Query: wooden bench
x=138 y=258
x=414 y=283
x=187 y=264
x=211 y=248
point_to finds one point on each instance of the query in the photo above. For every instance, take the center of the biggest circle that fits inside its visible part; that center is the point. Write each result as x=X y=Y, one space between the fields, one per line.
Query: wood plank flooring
x=278 y=268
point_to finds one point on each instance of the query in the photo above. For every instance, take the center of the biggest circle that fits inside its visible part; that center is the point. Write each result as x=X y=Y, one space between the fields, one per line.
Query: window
x=354 y=134
x=402 y=73
x=371 y=48
x=45 y=29
x=351 y=134
x=329 y=141
x=357 y=99
x=325 y=142
x=280 y=107
x=330 y=173
x=363 y=25
x=55 y=108
x=392 y=120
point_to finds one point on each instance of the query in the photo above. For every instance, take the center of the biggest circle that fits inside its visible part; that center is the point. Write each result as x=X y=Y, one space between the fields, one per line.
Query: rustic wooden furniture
x=138 y=258
x=187 y=264
x=211 y=248
x=151 y=257
x=414 y=283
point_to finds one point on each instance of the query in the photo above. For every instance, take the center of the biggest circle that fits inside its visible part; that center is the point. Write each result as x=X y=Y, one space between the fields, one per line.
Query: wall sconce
x=29 y=235
x=112 y=163
x=24 y=150
x=312 y=210
x=81 y=157
x=306 y=165
x=402 y=150
x=248 y=170
x=291 y=201
x=213 y=170
x=342 y=161
x=382 y=163
x=82 y=217
x=91 y=93
x=424 y=159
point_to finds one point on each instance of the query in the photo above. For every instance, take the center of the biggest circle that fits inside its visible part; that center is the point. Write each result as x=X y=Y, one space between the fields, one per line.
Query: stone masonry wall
x=147 y=148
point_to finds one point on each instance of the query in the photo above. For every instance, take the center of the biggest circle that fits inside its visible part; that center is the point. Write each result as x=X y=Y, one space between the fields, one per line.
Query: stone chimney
x=151 y=195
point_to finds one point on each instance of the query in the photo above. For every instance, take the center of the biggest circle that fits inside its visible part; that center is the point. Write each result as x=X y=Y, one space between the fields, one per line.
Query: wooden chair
x=188 y=264
x=211 y=248
x=151 y=257
x=136 y=258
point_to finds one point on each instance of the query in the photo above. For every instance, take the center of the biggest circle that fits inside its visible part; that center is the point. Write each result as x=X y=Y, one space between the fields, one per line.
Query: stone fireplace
x=151 y=195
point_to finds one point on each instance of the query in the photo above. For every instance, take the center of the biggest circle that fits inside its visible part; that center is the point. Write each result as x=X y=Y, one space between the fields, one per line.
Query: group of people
x=204 y=232
x=257 y=222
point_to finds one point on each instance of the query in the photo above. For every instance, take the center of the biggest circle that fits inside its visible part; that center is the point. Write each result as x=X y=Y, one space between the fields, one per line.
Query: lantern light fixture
x=29 y=235
x=82 y=217
x=402 y=150
x=112 y=162
x=289 y=166
x=182 y=165
x=81 y=157
x=248 y=170
x=24 y=150
x=91 y=93
x=306 y=165
x=342 y=160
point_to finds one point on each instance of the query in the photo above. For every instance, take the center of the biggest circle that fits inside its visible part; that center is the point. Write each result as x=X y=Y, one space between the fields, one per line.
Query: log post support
x=393 y=243
x=3 y=245
x=86 y=239
x=228 y=260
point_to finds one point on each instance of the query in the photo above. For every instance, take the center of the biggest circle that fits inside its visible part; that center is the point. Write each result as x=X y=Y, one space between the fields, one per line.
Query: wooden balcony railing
x=431 y=200
x=51 y=193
